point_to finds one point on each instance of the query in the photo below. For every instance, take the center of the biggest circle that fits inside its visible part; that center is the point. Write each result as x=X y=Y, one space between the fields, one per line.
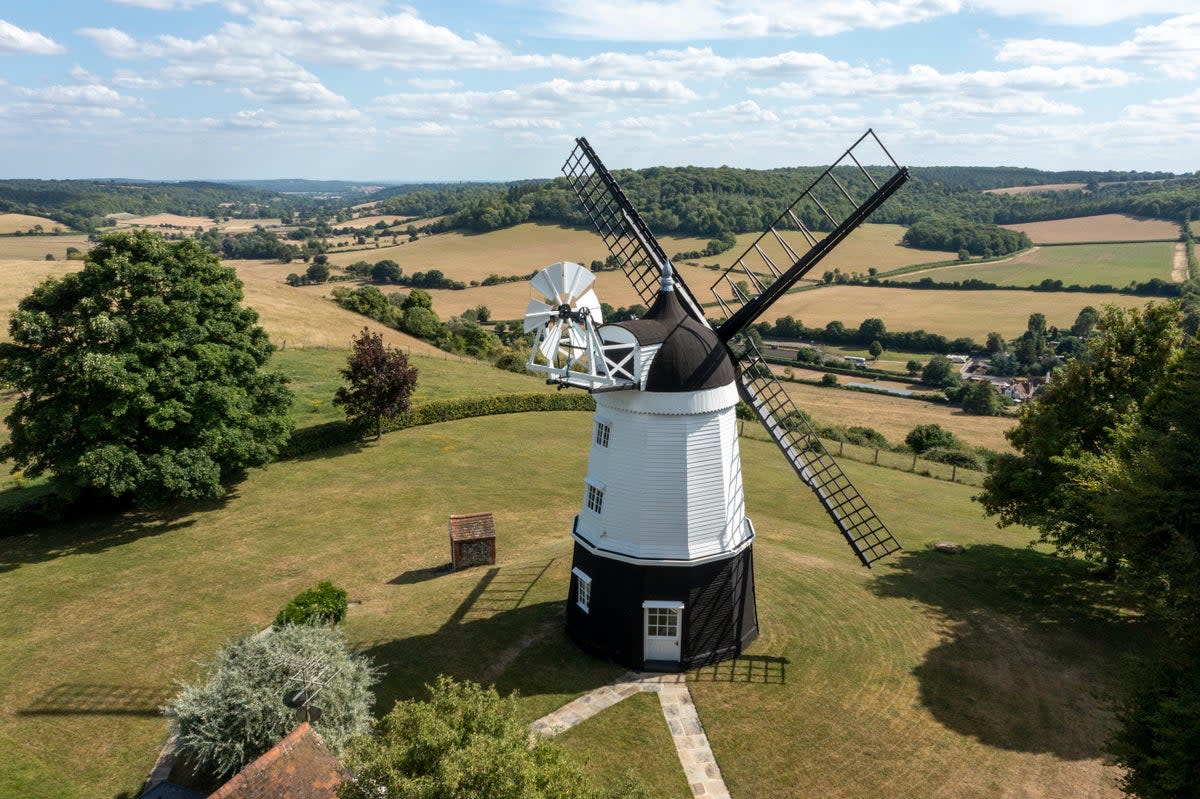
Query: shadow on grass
x=756 y=669
x=413 y=576
x=108 y=529
x=492 y=637
x=98 y=699
x=1031 y=650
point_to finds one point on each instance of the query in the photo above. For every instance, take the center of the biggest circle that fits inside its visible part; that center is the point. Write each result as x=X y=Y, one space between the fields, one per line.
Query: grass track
x=936 y=671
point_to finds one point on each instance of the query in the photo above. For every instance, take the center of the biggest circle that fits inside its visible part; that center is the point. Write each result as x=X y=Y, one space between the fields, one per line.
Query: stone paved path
x=691 y=744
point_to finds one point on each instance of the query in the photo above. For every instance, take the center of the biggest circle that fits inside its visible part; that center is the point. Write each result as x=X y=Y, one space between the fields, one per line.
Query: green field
x=930 y=675
x=1113 y=264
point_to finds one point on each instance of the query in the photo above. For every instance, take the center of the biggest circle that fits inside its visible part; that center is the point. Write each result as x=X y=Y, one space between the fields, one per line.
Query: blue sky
x=374 y=90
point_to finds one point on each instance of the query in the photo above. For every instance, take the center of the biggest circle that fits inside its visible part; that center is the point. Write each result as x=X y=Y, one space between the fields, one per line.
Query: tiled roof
x=298 y=767
x=472 y=526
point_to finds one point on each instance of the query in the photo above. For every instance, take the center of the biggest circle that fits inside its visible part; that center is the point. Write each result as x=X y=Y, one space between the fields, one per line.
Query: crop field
x=37 y=247
x=17 y=279
x=1113 y=264
x=13 y=223
x=896 y=416
x=1103 y=227
x=961 y=677
x=191 y=222
x=950 y=313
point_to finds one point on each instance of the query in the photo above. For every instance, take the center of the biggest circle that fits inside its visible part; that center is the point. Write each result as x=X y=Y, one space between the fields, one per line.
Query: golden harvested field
x=950 y=313
x=1105 y=227
x=896 y=416
x=369 y=221
x=24 y=248
x=525 y=248
x=1113 y=263
x=12 y=223
x=869 y=246
x=17 y=278
x=1036 y=189
x=302 y=317
x=192 y=222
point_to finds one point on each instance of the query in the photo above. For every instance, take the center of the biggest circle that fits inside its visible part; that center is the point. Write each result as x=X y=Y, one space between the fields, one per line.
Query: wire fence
x=902 y=461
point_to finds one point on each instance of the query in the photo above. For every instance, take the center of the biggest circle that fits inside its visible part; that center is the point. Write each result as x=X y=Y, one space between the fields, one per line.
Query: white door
x=662 y=632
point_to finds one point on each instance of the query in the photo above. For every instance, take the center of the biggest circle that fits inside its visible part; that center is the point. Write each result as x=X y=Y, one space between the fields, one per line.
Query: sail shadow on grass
x=106 y=529
x=1032 y=647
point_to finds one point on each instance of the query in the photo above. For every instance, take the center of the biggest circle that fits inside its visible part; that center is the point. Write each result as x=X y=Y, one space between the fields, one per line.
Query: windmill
x=662 y=572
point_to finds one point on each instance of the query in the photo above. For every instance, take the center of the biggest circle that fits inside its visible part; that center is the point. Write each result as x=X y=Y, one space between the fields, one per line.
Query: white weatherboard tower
x=663 y=574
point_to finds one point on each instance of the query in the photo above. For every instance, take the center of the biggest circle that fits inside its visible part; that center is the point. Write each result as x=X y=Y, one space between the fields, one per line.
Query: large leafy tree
x=1078 y=413
x=1142 y=490
x=141 y=376
x=381 y=382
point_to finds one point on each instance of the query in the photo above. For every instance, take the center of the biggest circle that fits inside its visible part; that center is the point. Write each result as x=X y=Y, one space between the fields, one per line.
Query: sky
x=455 y=90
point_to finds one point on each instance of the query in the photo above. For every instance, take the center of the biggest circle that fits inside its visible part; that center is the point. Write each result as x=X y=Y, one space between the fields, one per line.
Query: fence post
x=877 y=456
x=914 y=466
x=841 y=448
x=953 y=472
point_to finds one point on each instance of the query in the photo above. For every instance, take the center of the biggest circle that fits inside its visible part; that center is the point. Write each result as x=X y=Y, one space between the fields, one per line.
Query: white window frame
x=593 y=497
x=583 y=589
x=603 y=433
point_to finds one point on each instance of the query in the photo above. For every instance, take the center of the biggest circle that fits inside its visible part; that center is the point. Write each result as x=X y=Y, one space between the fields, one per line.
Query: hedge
x=331 y=434
x=44 y=507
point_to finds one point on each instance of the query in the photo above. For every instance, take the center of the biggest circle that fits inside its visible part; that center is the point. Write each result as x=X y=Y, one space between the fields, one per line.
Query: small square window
x=602 y=433
x=595 y=499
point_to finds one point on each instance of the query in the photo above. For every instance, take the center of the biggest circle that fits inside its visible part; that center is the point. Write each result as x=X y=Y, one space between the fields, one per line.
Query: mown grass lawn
x=930 y=675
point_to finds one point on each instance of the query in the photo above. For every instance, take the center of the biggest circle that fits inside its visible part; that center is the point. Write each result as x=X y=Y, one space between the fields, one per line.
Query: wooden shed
x=472 y=540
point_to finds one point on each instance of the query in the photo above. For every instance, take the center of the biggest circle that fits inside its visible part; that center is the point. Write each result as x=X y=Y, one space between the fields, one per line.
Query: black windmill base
x=717 y=615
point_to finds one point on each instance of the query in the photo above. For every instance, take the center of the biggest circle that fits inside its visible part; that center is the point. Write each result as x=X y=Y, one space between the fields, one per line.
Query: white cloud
x=744 y=112
x=681 y=20
x=164 y=5
x=922 y=79
x=524 y=123
x=434 y=84
x=19 y=40
x=1094 y=12
x=1172 y=46
x=112 y=42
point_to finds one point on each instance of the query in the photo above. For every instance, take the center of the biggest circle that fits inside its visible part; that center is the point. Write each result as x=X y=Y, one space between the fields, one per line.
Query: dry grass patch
x=950 y=313
x=1104 y=227
x=369 y=221
x=169 y=220
x=1045 y=187
x=22 y=248
x=18 y=278
x=14 y=223
x=303 y=317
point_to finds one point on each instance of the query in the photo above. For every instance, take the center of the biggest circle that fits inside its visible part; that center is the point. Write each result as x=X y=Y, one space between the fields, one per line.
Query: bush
x=964 y=459
x=924 y=437
x=324 y=603
x=829 y=380
x=237 y=713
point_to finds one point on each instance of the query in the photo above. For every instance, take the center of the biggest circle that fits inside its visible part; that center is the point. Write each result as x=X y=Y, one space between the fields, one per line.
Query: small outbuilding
x=472 y=540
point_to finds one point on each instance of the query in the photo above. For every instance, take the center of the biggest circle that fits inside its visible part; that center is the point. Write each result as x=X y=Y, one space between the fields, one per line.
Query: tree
x=982 y=399
x=925 y=437
x=872 y=330
x=1078 y=413
x=939 y=372
x=1085 y=322
x=381 y=382
x=237 y=712
x=828 y=379
x=141 y=376
x=464 y=741
x=317 y=273
x=875 y=350
x=386 y=271
x=913 y=367
x=996 y=343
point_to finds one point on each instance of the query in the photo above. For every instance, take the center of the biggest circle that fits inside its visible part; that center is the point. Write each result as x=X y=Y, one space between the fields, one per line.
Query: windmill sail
x=791 y=431
x=802 y=235
x=625 y=234
x=833 y=205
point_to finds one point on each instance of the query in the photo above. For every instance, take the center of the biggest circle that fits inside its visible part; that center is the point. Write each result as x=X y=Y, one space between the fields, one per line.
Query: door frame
x=672 y=653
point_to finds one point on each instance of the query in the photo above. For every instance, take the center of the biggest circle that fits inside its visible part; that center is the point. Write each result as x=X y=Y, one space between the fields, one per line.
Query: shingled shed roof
x=298 y=767
x=472 y=527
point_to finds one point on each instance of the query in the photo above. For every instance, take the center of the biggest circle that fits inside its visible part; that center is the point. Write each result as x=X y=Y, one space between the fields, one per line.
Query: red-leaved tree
x=381 y=382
